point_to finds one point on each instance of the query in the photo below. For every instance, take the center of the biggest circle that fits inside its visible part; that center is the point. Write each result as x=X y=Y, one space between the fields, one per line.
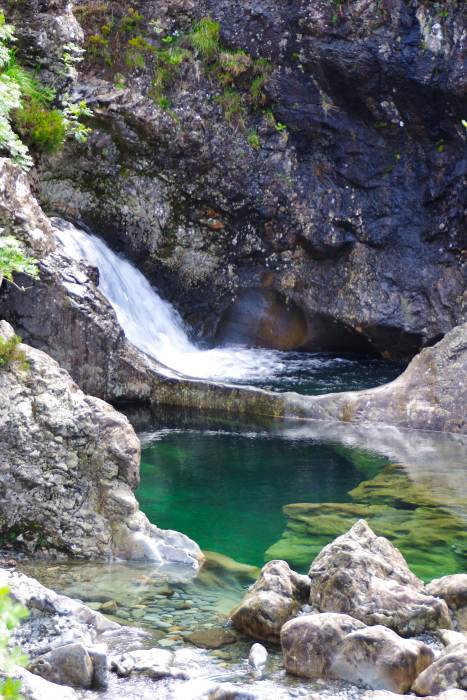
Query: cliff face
x=325 y=166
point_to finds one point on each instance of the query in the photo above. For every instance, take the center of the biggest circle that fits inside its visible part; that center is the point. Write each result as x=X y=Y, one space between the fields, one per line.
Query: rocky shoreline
x=377 y=628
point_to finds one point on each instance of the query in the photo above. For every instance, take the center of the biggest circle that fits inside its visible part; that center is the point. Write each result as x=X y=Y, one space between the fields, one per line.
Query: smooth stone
x=258 y=655
x=67 y=665
x=212 y=638
x=34 y=687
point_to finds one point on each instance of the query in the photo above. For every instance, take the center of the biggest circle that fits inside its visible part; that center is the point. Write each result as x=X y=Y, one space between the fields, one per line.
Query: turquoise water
x=231 y=488
x=226 y=490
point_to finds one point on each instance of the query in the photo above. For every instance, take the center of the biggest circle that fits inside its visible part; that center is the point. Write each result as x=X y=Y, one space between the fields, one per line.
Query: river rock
x=365 y=576
x=330 y=645
x=212 y=638
x=229 y=691
x=275 y=598
x=309 y=642
x=67 y=665
x=452 y=694
x=34 y=687
x=70 y=463
x=448 y=671
x=453 y=589
x=258 y=656
x=153 y=663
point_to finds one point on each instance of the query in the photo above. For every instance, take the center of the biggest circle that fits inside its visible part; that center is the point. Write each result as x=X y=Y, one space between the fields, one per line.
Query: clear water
x=227 y=486
x=156 y=328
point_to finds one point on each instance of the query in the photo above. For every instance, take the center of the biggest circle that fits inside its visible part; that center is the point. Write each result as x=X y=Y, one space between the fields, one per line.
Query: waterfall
x=154 y=325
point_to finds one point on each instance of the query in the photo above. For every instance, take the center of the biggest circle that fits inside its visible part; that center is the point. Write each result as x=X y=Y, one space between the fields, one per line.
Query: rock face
x=350 y=202
x=431 y=394
x=365 y=576
x=330 y=645
x=70 y=463
x=448 y=671
x=275 y=598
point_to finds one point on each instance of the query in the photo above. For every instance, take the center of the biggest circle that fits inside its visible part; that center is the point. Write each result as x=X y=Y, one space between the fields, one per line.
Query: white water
x=154 y=325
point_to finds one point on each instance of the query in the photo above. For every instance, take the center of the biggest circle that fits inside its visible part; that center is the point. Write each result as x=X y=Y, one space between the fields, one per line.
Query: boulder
x=363 y=575
x=70 y=463
x=330 y=645
x=309 y=642
x=152 y=663
x=212 y=638
x=449 y=671
x=68 y=665
x=275 y=598
x=453 y=589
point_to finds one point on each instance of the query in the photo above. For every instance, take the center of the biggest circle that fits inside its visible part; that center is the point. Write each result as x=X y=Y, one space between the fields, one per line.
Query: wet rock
x=153 y=663
x=229 y=691
x=275 y=598
x=330 y=645
x=68 y=665
x=453 y=589
x=212 y=638
x=70 y=464
x=448 y=671
x=365 y=576
x=453 y=694
x=258 y=656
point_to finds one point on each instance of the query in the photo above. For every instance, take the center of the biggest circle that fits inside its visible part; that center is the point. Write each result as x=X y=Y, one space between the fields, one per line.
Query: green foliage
x=131 y=21
x=10 y=615
x=232 y=64
x=10 y=353
x=254 y=140
x=205 y=37
x=25 y=105
x=42 y=127
x=168 y=66
x=13 y=259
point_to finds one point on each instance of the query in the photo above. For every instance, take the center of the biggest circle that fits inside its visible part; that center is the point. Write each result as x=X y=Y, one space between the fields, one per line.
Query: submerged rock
x=212 y=638
x=275 y=598
x=330 y=645
x=365 y=576
x=448 y=671
x=70 y=463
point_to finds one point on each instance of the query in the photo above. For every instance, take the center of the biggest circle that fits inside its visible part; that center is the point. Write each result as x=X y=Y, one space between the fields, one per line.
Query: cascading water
x=155 y=327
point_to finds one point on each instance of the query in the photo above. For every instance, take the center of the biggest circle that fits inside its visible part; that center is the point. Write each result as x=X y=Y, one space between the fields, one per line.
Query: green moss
x=232 y=105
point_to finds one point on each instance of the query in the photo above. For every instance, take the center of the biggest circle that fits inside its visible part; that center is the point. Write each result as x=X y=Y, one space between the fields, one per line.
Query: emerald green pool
x=230 y=487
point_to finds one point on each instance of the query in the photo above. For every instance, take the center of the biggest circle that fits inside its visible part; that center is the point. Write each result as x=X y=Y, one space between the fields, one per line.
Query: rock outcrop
x=346 y=204
x=431 y=394
x=275 y=598
x=330 y=645
x=70 y=463
x=365 y=576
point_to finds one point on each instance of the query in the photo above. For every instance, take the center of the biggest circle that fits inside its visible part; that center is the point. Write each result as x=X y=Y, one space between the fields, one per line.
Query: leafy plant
x=13 y=259
x=232 y=106
x=205 y=37
x=10 y=615
x=45 y=128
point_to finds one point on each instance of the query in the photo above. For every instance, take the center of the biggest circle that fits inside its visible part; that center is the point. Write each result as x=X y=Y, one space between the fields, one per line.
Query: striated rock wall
x=350 y=206
x=69 y=465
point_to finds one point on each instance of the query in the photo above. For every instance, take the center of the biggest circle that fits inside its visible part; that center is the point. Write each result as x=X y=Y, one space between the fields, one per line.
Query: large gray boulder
x=329 y=645
x=363 y=575
x=449 y=671
x=70 y=463
x=275 y=598
x=70 y=665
